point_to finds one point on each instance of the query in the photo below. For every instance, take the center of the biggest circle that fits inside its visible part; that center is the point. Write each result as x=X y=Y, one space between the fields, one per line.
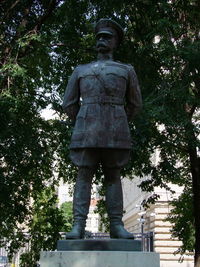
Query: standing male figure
x=101 y=97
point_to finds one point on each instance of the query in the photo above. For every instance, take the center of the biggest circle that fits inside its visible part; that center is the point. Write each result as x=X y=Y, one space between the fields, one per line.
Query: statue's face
x=106 y=42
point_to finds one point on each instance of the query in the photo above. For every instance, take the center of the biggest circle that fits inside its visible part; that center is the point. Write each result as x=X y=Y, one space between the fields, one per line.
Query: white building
x=154 y=221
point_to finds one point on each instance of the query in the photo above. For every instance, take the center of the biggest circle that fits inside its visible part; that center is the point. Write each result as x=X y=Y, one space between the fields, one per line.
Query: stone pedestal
x=99 y=259
x=99 y=244
x=99 y=253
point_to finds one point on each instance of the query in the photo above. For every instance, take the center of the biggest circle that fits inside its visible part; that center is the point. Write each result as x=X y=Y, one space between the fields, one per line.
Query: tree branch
x=13 y=5
x=51 y=7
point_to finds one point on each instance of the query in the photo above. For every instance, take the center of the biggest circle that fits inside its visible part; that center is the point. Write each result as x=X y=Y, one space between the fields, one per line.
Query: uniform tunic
x=100 y=96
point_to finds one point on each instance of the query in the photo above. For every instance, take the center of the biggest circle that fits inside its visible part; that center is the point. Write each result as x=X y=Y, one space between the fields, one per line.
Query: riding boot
x=81 y=203
x=114 y=204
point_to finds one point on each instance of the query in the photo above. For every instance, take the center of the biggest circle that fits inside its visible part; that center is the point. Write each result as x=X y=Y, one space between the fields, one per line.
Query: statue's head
x=109 y=35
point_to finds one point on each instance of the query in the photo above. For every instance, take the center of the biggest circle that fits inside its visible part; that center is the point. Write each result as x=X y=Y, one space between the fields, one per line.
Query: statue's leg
x=81 y=202
x=114 y=203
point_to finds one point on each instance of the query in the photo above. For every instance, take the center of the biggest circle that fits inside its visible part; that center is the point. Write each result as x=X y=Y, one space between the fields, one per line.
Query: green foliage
x=66 y=209
x=182 y=218
x=44 y=225
x=104 y=220
x=101 y=204
x=29 y=145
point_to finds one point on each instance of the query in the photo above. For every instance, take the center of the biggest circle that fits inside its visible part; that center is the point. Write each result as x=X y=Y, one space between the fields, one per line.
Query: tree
x=66 y=209
x=28 y=143
x=44 y=227
x=173 y=103
x=36 y=57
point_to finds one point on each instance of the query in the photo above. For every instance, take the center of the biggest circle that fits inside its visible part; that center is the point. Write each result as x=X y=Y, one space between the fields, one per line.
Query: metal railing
x=147 y=239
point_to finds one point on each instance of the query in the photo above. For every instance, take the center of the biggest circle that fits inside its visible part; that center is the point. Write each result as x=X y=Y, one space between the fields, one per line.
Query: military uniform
x=101 y=95
x=100 y=98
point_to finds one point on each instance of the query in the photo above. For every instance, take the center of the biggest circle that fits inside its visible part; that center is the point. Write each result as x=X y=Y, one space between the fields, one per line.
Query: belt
x=103 y=100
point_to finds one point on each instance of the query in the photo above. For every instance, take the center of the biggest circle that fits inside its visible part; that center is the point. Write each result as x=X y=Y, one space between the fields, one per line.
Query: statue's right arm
x=71 y=102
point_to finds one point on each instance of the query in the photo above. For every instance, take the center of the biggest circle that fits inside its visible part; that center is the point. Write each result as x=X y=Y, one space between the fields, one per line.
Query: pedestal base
x=99 y=244
x=99 y=259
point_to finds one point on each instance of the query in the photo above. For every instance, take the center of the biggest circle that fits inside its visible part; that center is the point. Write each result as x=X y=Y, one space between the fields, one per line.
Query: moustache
x=101 y=44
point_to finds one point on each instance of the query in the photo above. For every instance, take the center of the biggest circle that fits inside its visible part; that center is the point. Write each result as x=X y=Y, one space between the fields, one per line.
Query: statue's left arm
x=133 y=95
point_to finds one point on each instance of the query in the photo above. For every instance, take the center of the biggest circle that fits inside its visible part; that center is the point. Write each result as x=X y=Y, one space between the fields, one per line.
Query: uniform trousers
x=88 y=160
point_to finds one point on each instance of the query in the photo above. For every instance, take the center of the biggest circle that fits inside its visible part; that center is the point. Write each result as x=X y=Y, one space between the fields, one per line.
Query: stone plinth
x=99 y=244
x=99 y=259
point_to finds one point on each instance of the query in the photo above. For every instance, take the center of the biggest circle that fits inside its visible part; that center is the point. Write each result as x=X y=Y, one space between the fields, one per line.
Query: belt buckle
x=102 y=100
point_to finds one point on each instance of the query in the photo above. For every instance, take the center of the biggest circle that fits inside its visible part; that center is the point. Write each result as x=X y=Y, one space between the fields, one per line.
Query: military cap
x=107 y=26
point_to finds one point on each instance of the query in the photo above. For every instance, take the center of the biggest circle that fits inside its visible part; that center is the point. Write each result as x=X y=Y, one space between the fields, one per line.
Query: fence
x=147 y=240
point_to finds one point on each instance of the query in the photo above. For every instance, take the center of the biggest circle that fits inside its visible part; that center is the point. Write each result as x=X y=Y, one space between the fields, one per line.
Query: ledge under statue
x=101 y=97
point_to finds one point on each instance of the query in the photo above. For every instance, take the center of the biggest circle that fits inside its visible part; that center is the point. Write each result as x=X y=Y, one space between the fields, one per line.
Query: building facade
x=136 y=219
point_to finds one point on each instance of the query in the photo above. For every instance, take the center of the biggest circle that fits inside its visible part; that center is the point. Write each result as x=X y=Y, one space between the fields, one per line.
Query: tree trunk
x=195 y=171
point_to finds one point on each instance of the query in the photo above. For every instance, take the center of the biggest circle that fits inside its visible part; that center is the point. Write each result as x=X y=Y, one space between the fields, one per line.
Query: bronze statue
x=101 y=97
